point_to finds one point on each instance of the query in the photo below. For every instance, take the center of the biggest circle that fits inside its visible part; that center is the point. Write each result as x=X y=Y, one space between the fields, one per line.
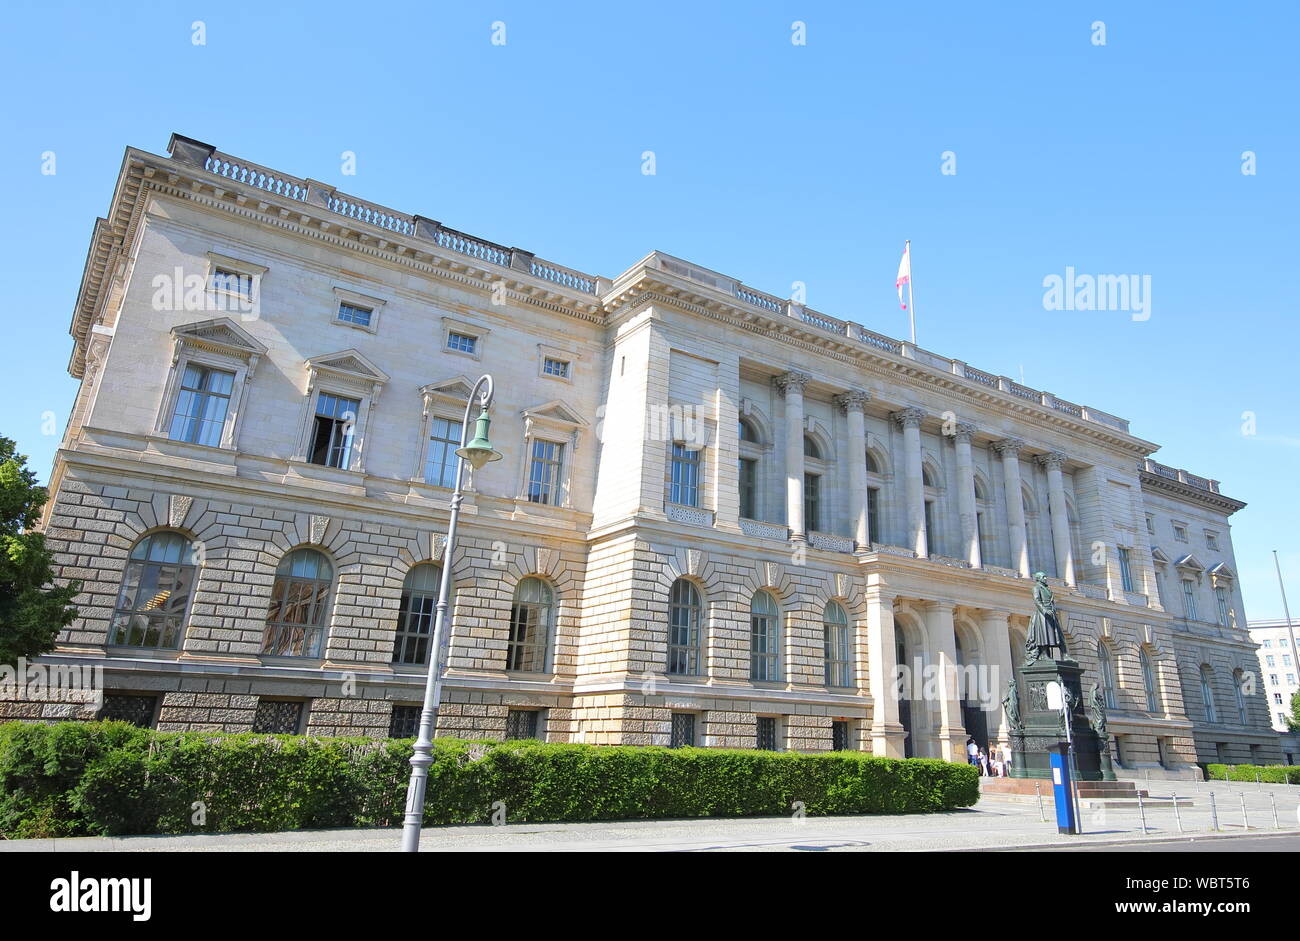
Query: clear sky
x=775 y=163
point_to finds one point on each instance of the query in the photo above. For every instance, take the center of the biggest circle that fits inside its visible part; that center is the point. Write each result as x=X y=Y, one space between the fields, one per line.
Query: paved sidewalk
x=992 y=823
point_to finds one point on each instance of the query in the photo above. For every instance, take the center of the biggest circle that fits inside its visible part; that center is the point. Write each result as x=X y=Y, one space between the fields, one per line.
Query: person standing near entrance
x=972 y=752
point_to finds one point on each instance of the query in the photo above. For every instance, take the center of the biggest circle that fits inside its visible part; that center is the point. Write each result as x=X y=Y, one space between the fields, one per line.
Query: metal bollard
x=1272 y=799
x=1245 y=823
x=1178 y=817
x=1259 y=785
x=1214 y=813
x=1038 y=790
x=1142 y=813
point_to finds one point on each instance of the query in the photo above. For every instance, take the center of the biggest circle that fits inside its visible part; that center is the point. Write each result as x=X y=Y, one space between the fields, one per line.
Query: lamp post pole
x=477 y=453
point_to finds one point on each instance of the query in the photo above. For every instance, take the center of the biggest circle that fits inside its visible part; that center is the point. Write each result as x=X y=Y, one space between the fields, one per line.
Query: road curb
x=1176 y=838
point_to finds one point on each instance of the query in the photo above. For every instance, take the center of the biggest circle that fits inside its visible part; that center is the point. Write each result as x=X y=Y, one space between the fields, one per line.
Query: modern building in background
x=1279 y=666
x=722 y=518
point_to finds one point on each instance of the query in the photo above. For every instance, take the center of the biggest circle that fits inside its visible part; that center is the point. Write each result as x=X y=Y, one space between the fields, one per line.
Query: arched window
x=1207 y=694
x=155 y=593
x=1149 y=681
x=873 y=465
x=417 y=613
x=810 y=448
x=928 y=477
x=1107 y=674
x=1238 y=689
x=532 y=616
x=295 y=625
x=835 y=627
x=684 y=611
x=764 y=638
x=748 y=432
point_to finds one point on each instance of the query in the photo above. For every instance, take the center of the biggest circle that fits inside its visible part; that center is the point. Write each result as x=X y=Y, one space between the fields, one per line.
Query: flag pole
x=911 y=301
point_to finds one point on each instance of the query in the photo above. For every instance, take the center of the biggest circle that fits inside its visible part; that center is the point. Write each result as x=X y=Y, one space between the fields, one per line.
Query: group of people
x=994 y=763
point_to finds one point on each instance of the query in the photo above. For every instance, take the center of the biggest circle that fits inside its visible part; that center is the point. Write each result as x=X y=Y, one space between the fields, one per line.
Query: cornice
x=1184 y=491
x=644 y=285
x=143 y=173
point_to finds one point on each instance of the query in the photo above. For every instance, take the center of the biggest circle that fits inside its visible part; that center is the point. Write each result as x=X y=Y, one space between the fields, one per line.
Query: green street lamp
x=476 y=453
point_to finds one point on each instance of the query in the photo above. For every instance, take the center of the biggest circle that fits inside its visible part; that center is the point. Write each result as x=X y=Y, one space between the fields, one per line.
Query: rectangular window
x=440 y=465
x=836 y=642
x=277 y=718
x=331 y=443
x=405 y=722
x=1189 y=600
x=233 y=282
x=137 y=710
x=1125 y=569
x=684 y=488
x=748 y=488
x=521 y=723
x=354 y=314
x=873 y=515
x=462 y=342
x=1151 y=525
x=1211 y=540
x=683 y=733
x=812 y=502
x=839 y=736
x=201 y=405
x=1180 y=533
x=1221 y=596
x=931 y=536
x=544 y=472
x=765 y=734
x=1271 y=661
x=555 y=367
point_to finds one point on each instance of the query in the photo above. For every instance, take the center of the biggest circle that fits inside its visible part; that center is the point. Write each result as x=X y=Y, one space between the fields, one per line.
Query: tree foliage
x=32 y=610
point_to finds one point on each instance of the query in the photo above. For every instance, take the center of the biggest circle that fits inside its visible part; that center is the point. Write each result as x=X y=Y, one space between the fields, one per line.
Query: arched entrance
x=913 y=712
x=970 y=657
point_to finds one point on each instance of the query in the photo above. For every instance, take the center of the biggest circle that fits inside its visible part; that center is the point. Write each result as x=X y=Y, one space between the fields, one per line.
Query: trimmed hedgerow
x=1268 y=774
x=93 y=778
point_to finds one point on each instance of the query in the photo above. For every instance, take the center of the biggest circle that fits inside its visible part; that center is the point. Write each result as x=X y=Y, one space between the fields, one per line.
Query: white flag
x=904 y=274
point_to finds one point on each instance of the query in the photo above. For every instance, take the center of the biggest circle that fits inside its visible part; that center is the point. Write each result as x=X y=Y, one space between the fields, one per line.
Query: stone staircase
x=1091 y=793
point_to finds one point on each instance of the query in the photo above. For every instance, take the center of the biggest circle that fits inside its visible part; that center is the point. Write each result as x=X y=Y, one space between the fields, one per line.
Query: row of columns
x=853 y=403
x=887 y=731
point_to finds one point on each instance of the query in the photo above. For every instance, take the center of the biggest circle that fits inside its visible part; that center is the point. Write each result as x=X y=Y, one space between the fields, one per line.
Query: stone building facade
x=721 y=519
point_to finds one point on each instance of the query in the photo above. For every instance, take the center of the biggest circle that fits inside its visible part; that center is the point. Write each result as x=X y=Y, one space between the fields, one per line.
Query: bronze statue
x=1097 y=707
x=1045 y=633
x=1011 y=703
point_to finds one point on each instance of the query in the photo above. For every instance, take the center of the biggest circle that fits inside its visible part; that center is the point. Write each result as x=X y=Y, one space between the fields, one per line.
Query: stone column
x=791 y=386
x=1009 y=448
x=943 y=643
x=882 y=671
x=966 y=509
x=995 y=632
x=910 y=421
x=1061 y=542
x=854 y=404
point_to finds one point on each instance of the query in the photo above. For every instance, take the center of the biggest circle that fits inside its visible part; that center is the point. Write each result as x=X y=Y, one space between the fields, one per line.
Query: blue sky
x=775 y=163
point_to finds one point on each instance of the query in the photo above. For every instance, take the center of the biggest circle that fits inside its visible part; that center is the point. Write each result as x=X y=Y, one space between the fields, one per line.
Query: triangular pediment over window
x=219 y=335
x=1189 y=562
x=555 y=411
x=1158 y=556
x=349 y=363
x=457 y=389
x=1222 y=571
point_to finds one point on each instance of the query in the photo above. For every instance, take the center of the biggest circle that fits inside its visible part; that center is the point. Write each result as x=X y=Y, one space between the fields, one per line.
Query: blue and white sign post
x=1067 y=812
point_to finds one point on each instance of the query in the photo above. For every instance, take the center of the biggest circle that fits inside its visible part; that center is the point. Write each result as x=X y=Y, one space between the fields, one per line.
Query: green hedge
x=1269 y=774
x=92 y=778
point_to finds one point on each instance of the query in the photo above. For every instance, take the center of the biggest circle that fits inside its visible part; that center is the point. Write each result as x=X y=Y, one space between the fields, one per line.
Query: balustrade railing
x=250 y=174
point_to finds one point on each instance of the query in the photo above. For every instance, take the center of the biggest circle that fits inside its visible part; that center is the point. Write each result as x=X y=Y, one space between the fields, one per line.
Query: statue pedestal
x=1043 y=729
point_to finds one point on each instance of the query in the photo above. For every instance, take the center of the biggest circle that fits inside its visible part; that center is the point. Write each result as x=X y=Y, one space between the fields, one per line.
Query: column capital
x=853 y=400
x=909 y=417
x=1005 y=446
x=964 y=431
x=948 y=606
x=1052 y=459
x=792 y=381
